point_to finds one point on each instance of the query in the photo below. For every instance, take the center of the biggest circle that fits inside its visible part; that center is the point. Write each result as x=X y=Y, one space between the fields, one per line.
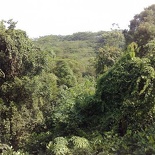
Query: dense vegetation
x=81 y=94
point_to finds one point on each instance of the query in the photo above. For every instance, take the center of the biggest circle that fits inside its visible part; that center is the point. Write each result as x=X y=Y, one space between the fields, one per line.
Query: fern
x=60 y=140
x=80 y=142
x=58 y=147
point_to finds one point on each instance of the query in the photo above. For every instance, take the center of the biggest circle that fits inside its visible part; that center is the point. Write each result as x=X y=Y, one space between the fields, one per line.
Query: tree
x=15 y=48
x=65 y=74
x=106 y=58
x=23 y=100
x=127 y=93
x=112 y=43
x=142 y=29
x=113 y=38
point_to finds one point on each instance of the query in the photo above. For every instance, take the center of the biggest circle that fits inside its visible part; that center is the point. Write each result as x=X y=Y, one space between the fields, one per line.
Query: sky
x=64 y=17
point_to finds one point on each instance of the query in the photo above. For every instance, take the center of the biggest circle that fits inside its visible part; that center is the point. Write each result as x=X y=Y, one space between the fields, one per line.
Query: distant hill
x=79 y=46
x=82 y=46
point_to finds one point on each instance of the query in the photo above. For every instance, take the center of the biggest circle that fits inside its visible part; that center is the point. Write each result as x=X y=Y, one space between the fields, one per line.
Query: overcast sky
x=45 y=17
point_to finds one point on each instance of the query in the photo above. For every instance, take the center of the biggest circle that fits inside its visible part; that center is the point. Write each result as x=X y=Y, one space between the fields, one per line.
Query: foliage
x=65 y=116
x=114 y=38
x=37 y=141
x=58 y=147
x=50 y=102
x=151 y=52
x=68 y=46
x=112 y=44
x=127 y=93
x=65 y=74
x=106 y=58
x=80 y=145
x=82 y=46
x=15 y=48
x=7 y=150
x=142 y=29
x=23 y=99
x=74 y=146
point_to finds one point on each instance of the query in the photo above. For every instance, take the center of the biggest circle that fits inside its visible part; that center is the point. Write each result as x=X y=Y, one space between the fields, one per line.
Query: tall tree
x=65 y=74
x=112 y=43
x=127 y=92
x=142 y=29
x=22 y=90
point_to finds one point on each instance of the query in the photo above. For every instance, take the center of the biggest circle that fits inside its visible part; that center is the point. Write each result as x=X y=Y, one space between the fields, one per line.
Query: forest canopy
x=85 y=93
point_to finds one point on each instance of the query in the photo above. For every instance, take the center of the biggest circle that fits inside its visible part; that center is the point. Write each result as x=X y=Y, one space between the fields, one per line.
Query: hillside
x=80 y=46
